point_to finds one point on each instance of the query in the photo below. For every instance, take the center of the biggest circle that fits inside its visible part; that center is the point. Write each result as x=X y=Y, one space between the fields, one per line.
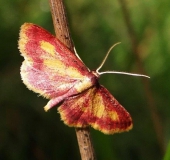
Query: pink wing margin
x=49 y=69
x=98 y=108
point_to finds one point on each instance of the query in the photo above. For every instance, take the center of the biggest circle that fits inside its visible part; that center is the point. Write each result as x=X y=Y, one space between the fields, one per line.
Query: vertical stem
x=60 y=22
x=62 y=33
x=85 y=144
x=148 y=92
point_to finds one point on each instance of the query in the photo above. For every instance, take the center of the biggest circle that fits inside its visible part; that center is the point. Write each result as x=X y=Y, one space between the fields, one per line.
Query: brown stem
x=60 y=23
x=62 y=33
x=85 y=144
x=148 y=92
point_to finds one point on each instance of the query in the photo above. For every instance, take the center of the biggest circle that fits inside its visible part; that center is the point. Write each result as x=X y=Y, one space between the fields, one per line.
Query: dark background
x=27 y=132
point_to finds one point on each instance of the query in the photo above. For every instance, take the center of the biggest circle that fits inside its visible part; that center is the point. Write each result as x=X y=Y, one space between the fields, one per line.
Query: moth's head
x=97 y=75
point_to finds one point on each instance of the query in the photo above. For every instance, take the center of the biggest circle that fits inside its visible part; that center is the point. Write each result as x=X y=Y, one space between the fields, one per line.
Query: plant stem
x=62 y=33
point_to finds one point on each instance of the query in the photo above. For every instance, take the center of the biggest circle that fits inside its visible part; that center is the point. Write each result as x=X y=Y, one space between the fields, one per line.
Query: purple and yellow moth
x=53 y=71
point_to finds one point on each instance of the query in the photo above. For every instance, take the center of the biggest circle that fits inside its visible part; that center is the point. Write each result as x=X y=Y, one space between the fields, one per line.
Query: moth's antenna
x=130 y=74
x=101 y=65
x=76 y=53
x=79 y=57
x=116 y=72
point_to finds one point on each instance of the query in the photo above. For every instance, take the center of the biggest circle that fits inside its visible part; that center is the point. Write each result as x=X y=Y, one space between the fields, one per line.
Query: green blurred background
x=143 y=27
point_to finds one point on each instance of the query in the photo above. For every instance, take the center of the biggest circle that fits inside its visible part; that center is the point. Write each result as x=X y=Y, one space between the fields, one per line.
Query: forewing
x=98 y=108
x=49 y=69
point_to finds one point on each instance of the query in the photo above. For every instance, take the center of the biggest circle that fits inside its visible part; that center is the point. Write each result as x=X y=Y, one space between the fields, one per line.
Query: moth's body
x=56 y=73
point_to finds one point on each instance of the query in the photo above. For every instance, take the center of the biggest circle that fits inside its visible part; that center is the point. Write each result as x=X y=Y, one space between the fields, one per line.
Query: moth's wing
x=76 y=111
x=49 y=69
x=98 y=108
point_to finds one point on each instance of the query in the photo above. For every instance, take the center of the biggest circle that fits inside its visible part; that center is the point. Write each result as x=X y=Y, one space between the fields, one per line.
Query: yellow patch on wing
x=62 y=69
x=97 y=104
x=48 y=47
x=73 y=72
x=100 y=109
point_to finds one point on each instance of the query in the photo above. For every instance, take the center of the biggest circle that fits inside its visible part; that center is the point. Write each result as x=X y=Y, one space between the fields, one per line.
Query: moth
x=52 y=70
